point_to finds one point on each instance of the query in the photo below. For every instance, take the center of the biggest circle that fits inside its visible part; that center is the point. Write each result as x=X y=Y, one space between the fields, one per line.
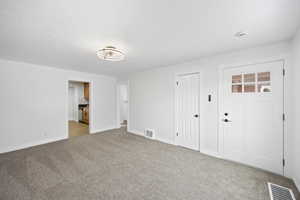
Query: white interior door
x=187 y=111
x=252 y=115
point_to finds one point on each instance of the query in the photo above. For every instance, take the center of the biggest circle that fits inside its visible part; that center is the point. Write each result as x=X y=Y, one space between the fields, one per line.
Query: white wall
x=151 y=95
x=35 y=103
x=296 y=108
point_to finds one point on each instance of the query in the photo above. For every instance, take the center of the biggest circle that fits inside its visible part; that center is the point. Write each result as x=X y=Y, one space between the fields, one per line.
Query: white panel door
x=187 y=111
x=252 y=115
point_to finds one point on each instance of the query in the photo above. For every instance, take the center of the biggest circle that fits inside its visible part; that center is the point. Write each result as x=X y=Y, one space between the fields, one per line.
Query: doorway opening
x=78 y=108
x=123 y=106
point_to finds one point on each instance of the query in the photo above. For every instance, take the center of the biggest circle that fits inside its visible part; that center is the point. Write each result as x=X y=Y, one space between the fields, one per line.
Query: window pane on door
x=264 y=87
x=263 y=76
x=249 y=77
x=236 y=78
x=237 y=88
x=249 y=88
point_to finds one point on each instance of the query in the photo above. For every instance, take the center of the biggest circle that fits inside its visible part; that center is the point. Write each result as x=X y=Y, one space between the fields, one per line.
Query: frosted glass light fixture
x=110 y=53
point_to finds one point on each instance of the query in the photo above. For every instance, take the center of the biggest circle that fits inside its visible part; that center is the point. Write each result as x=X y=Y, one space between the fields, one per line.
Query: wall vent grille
x=278 y=192
x=149 y=133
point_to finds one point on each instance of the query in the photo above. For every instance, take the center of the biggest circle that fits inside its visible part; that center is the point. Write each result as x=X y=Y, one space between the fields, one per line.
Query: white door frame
x=175 y=104
x=128 y=105
x=73 y=102
x=118 y=108
x=221 y=97
x=91 y=103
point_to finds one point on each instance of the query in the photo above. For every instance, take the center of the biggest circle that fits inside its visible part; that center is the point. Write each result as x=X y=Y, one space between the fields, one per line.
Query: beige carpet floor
x=78 y=129
x=114 y=165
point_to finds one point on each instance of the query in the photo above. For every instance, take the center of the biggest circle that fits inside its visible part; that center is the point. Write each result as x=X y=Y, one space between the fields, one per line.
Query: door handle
x=196 y=115
x=226 y=120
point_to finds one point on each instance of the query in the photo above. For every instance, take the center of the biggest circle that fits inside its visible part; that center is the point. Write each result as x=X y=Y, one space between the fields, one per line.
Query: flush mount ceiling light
x=110 y=53
x=240 y=34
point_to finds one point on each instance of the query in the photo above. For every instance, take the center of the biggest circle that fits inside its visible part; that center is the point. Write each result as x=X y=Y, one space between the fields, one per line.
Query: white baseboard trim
x=297 y=184
x=31 y=144
x=102 y=130
x=165 y=141
x=139 y=133
x=136 y=132
x=210 y=153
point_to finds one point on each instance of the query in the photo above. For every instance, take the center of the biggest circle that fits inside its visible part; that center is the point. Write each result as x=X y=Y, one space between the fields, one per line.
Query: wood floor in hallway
x=78 y=129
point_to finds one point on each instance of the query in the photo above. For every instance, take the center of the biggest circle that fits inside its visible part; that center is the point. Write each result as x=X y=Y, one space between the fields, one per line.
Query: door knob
x=196 y=115
x=226 y=120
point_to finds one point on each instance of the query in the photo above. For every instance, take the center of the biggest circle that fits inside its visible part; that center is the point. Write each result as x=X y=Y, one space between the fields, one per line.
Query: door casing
x=91 y=103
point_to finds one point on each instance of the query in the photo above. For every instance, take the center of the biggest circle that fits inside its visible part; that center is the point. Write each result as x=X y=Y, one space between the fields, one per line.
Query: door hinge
x=176 y=82
x=283 y=162
x=283 y=117
x=283 y=72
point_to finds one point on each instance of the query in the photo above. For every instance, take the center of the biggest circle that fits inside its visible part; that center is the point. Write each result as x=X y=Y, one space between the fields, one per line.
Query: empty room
x=154 y=100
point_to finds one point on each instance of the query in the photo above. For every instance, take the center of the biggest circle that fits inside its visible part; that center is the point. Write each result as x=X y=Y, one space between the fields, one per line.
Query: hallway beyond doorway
x=77 y=129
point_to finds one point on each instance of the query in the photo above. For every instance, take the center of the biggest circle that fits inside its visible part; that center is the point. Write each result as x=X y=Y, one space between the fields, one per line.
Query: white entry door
x=187 y=111
x=252 y=115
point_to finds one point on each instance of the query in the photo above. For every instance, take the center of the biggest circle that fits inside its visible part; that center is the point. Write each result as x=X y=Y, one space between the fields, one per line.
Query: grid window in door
x=251 y=82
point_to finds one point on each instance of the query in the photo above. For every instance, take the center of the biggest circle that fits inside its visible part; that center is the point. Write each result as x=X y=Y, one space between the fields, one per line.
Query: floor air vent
x=278 y=192
x=149 y=133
